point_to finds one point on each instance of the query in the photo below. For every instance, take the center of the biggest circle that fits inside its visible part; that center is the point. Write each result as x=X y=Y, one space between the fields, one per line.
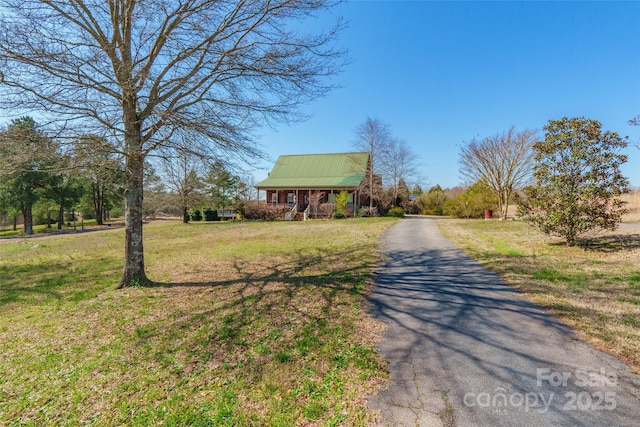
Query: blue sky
x=441 y=73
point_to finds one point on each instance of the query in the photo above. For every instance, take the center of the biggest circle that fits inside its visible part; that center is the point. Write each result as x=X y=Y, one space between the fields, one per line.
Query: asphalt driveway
x=466 y=349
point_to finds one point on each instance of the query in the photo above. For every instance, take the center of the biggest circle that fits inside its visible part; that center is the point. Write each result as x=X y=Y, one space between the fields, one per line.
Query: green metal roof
x=317 y=171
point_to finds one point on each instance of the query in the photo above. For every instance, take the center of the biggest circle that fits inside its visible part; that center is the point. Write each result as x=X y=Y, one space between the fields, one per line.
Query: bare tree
x=138 y=71
x=102 y=173
x=635 y=122
x=397 y=162
x=157 y=198
x=372 y=136
x=250 y=193
x=314 y=200
x=182 y=173
x=504 y=161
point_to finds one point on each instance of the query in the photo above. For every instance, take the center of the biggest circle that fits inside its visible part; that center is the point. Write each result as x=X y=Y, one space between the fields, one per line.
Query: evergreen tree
x=27 y=159
x=578 y=180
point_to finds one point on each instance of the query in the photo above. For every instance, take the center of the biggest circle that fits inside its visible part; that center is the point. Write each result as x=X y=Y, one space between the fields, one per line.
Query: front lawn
x=250 y=324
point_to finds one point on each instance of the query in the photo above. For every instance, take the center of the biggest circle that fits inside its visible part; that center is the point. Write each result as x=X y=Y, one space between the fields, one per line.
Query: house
x=296 y=180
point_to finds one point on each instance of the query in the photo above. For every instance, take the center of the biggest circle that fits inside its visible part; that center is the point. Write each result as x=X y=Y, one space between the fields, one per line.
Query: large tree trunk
x=185 y=215
x=505 y=204
x=28 y=220
x=134 y=253
x=98 y=203
x=133 y=273
x=60 y=217
x=371 y=186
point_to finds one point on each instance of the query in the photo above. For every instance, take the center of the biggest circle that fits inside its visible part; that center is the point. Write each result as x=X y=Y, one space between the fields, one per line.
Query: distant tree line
x=45 y=180
x=195 y=189
x=566 y=184
x=42 y=179
x=392 y=164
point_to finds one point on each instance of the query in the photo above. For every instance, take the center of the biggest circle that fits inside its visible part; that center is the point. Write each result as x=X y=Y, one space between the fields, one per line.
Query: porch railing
x=292 y=213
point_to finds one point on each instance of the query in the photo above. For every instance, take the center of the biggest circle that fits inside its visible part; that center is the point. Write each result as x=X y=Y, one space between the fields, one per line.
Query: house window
x=291 y=198
x=274 y=198
x=331 y=198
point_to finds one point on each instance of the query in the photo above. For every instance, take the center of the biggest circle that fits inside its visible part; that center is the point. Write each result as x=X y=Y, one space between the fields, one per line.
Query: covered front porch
x=312 y=202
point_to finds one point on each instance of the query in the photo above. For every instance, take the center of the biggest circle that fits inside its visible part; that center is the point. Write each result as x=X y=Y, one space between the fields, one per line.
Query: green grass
x=249 y=324
x=594 y=287
x=43 y=229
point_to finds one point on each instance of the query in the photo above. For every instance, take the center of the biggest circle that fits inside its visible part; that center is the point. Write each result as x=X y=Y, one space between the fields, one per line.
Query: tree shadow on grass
x=308 y=285
x=610 y=243
x=41 y=286
x=322 y=269
x=269 y=322
x=262 y=329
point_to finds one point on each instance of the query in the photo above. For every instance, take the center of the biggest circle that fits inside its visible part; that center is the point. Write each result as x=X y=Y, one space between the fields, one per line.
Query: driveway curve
x=466 y=349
